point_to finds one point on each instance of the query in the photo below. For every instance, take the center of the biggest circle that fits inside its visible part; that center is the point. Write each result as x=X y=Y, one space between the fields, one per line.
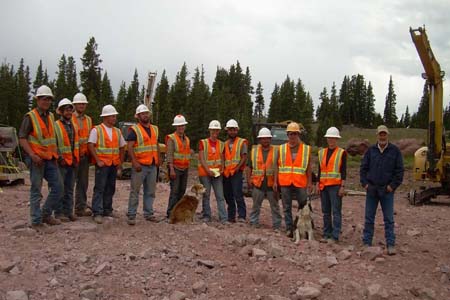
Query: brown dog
x=184 y=210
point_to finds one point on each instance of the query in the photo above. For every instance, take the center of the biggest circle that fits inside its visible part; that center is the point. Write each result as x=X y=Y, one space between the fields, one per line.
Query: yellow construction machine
x=431 y=163
x=11 y=168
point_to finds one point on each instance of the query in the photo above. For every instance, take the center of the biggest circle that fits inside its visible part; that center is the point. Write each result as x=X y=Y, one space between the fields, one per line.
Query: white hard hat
x=232 y=124
x=179 y=120
x=108 y=110
x=332 y=132
x=264 y=133
x=140 y=109
x=62 y=103
x=44 y=91
x=79 y=98
x=214 y=124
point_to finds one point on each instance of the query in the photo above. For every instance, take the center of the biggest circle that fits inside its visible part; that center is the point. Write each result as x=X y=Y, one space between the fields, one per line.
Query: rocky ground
x=82 y=260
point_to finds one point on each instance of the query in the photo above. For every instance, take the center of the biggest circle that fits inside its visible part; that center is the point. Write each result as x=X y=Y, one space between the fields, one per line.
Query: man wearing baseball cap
x=381 y=173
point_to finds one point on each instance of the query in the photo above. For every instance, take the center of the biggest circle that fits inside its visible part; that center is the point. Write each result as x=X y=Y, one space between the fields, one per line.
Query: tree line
x=230 y=96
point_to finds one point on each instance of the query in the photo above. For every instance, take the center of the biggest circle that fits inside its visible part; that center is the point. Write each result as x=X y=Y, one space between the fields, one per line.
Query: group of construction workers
x=60 y=151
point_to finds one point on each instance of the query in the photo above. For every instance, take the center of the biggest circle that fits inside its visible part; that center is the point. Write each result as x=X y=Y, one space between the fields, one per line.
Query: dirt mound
x=357 y=146
x=408 y=146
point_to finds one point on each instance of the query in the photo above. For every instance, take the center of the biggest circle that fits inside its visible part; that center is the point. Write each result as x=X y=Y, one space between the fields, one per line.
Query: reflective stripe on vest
x=42 y=139
x=330 y=172
x=261 y=168
x=64 y=145
x=84 y=128
x=108 y=150
x=146 y=147
x=293 y=172
x=181 y=153
x=233 y=158
x=212 y=160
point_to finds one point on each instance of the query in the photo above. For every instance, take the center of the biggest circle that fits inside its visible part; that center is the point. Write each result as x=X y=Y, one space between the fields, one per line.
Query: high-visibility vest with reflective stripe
x=64 y=145
x=146 y=147
x=42 y=138
x=330 y=172
x=293 y=172
x=233 y=157
x=261 y=168
x=108 y=150
x=83 y=132
x=181 y=152
x=212 y=159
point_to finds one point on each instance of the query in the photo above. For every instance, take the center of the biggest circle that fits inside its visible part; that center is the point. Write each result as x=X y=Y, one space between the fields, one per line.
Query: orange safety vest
x=293 y=172
x=261 y=168
x=84 y=128
x=212 y=159
x=181 y=153
x=145 y=147
x=330 y=172
x=42 y=139
x=64 y=146
x=233 y=158
x=108 y=151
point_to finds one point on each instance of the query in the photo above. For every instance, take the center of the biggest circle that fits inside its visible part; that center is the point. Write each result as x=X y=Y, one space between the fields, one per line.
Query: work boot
x=72 y=217
x=131 y=221
x=98 y=219
x=391 y=250
x=241 y=220
x=151 y=218
x=50 y=220
x=83 y=213
x=62 y=218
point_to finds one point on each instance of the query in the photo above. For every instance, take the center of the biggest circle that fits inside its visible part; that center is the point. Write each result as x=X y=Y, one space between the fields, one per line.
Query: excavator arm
x=434 y=76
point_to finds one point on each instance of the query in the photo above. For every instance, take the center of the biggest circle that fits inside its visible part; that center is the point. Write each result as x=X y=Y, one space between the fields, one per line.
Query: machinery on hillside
x=11 y=171
x=124 y=126
x=431 y=163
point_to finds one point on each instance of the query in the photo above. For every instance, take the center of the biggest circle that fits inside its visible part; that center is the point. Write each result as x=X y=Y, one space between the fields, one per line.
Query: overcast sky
x=317 y=41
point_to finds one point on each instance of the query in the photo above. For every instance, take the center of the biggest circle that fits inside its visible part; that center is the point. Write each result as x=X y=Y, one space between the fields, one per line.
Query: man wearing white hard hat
x=84 y=124
x=178 y=158
x=143 y=149
x=68 y=151
x=37 y=138
x=235 y=156
x=106 y=146
x=331 y=182
x=210 y=169
x=262 y=165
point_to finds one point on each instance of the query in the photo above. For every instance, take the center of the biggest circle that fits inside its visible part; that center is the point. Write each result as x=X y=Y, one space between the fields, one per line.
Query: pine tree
x=390 y=116
x=162 y=112
x=179 y=91
x=274 y=114
x=39 y=78
x=128 y=108
x=71 y=78
x=334 y=108
x=19 y=105
x=287 y=99
x=420 y=119
x=60 y=83
x=259 y=103
x=446 y=116
x=368 y=120
x=220 y=95
x=7 y=93
x=106 y=93
x=324 y=117
x=345 y=105
x=407 y=118
x=90 y=74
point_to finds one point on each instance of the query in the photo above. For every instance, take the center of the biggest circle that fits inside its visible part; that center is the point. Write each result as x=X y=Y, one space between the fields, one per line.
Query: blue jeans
x=82 y=182
x=234 y=197
x=331 y=205
x=216 y=183
x=65 y=204
x=287 y=193
x=258 y=198
x=48 y=171
x=147 y=178
x=177 y=188
x=387 y=205
x=104 y=189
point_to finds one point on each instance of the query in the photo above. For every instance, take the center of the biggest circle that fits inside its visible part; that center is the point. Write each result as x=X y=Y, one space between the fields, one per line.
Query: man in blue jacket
x=381 y=173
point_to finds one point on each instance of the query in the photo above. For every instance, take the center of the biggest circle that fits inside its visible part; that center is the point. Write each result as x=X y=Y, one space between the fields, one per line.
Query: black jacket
x=382 y=169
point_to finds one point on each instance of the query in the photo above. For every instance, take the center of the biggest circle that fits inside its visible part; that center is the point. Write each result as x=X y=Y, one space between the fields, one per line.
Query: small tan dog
x=304 y=224
x=184 y=210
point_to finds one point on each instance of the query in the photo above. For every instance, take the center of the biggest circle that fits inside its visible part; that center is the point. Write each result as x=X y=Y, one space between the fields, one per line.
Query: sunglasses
x=292 y=133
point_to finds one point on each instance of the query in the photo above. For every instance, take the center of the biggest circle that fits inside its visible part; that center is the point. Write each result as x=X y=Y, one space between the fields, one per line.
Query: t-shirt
x=132 y=134
x=265 y=153
x=243 y=147
x=27 y=127
x=212 y=144
x=93 y=136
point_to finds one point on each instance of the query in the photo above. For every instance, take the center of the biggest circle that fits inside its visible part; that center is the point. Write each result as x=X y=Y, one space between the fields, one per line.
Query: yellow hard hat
x=293 y=127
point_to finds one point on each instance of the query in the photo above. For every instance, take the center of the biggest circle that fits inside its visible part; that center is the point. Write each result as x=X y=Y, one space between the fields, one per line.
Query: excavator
x=432 y=162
